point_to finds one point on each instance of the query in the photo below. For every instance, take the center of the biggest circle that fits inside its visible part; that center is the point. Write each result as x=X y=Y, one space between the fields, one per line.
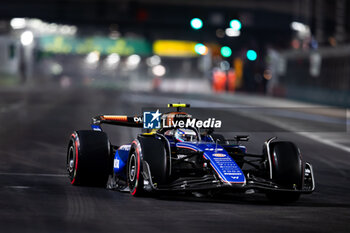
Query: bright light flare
x=18 y=23
x=252 y=55
x=133 y=61
x=159 y=70
x=201 y=49
x=196 y=23
x=297 y=26
x=235 y=24
x=92 y=57
x=230 y=32
x=303 y=30
x=226 y=51
x=113 y=59
x=27 y=38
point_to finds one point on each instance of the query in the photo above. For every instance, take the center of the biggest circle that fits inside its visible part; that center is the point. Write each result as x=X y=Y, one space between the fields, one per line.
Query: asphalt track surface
x=36 y=196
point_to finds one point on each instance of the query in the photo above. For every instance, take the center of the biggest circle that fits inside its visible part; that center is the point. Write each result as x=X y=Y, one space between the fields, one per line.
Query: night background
x=64 y=61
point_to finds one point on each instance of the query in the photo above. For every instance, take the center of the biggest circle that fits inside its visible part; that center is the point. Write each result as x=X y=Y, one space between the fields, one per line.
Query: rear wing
x=130 y=121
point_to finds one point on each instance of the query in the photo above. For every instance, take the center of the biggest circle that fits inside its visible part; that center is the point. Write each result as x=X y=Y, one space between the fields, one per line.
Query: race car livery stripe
x=186 y=147
x=115 y=118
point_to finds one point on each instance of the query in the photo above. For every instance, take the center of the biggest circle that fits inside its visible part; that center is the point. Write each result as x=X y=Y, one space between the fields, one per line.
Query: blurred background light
x=93 y=57
x=159 y=70
x=220 y=33
x=267 y=74
x=201 y=49
x=56 y=69
x=27 y=38
x=196 y=23
x=174 y=48
x=153 y=61
x=235 y=24
x=113 y=59
x=225 y=65
x=18 y=23
x=133 y=61
x=297 y=26
x=251 y=55
x=225 y=51
x=303 y=30
x=230 y=32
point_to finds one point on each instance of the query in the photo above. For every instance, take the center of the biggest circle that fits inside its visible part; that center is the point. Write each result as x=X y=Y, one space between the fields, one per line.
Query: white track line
x=324 y=141
x=32 y=174
x=312 y=136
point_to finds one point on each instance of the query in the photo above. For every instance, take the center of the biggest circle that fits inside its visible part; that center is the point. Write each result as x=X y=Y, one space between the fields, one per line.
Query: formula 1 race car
x=174 y=158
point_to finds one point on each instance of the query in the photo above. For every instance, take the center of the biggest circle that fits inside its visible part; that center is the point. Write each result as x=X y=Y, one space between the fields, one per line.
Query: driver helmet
x=186 y=135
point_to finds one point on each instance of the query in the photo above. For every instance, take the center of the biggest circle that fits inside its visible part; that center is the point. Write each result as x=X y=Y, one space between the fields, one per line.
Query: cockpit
x=183 y=135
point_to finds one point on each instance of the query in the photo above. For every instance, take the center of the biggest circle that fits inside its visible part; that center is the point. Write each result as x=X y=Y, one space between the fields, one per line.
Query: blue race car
x=182 y=159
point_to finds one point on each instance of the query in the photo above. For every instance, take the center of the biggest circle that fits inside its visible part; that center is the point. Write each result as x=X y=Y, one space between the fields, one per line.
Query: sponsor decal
x=155 y=120
x=233 y=173
x=212 y=149
x=151 y=120
x=124 y=147
x=219 y=155
x=137 y=119
x=116 y=163
x=193 y=122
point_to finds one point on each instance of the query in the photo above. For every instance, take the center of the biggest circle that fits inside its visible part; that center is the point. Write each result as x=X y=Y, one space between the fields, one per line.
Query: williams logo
x=151 y=120
x=219 y=155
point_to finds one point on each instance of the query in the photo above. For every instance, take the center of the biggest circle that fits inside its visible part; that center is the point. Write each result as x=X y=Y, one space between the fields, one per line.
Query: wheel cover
x=132 y=168
x=71 y=160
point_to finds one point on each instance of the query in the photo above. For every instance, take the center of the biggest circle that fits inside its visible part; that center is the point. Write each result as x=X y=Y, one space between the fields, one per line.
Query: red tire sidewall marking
x=138 y=169
x=76 y=157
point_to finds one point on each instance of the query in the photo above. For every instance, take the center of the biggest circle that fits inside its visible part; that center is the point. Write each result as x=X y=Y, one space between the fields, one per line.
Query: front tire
x=287 y=171
x=134 y=168
x=152 y=150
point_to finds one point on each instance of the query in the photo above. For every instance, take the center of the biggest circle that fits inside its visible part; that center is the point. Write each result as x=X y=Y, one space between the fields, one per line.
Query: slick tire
x=134 y=169
x=287 y=170
x=88 y=158
x=152 y=151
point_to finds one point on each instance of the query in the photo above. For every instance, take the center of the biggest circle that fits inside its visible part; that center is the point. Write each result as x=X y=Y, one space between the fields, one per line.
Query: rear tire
x=287 y=171
x=88 y=158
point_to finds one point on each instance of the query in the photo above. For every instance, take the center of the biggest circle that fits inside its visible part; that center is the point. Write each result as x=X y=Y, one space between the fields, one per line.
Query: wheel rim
x=132 y=168
x=70 y=161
